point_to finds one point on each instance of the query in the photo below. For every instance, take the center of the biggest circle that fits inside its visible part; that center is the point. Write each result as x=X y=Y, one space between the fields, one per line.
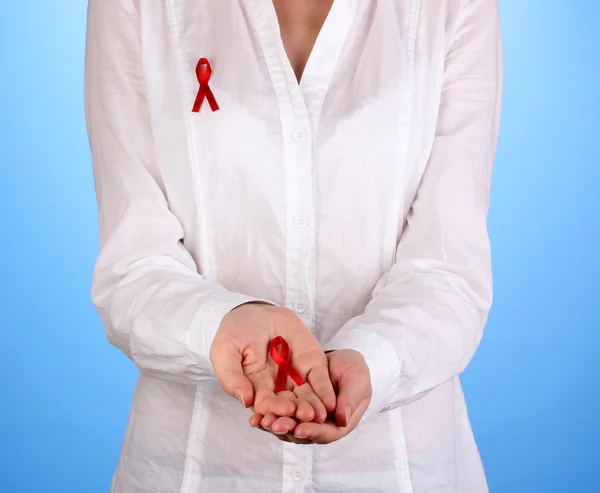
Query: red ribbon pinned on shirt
x=280 y=352
x=203 y=73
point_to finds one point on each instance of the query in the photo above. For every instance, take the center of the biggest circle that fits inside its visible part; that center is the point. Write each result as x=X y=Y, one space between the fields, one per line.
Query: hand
x=241 y=360
x=350 y=377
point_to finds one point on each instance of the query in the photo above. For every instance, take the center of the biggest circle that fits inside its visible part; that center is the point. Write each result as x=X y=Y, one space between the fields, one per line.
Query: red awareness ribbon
x=203 y=73
x=280 y=352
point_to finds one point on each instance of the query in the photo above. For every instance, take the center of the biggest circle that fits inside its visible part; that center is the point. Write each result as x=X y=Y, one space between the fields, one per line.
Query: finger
x=286 y=438
x=267 y=421
x=354 y=389
x=283 y=438
x=255 y=420
x=267 y=401
x=283 y=426
x=320 y=381
x=320 y=433
x=318 y=413
x=227 y=363
x=289 y=437
x=304 y=410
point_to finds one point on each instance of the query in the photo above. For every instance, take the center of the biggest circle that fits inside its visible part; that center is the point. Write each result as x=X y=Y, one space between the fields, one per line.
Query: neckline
x=314 y=44
x=318 y=72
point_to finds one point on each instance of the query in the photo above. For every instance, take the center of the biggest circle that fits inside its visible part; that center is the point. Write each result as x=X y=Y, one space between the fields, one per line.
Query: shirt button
x=300 y=222
x=299 y=134
x=300 y=306
x=298 y=475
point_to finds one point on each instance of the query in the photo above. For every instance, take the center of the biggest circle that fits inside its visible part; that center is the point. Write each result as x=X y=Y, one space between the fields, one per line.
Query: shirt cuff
x=209 y=317
x=381 y=360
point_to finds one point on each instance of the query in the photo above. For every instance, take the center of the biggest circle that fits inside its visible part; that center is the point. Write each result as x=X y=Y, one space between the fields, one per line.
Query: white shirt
x=357 y=198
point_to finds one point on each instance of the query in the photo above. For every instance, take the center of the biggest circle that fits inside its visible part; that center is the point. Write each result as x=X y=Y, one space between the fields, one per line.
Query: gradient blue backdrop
x=533 y=386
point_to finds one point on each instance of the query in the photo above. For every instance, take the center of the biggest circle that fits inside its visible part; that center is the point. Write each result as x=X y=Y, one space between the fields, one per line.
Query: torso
x=300 y=24
x=295 y=193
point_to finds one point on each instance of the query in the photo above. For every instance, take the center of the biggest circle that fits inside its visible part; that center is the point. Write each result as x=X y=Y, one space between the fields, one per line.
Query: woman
x=314 y=170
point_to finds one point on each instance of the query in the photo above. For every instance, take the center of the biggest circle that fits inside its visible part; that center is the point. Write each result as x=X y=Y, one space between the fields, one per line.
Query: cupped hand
x=242 y=363
x=350 y=377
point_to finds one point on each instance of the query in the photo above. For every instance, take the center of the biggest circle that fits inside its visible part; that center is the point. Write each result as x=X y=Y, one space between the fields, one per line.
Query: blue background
x=533 y=386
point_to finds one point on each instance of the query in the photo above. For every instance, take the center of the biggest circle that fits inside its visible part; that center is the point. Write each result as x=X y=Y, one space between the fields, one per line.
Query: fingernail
x=301 y=437
x=240 y=397
x=348 y=414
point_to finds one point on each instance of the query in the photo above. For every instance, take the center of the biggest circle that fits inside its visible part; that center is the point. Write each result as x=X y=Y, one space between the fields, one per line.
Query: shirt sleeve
x=427 y=314
x=155 y=305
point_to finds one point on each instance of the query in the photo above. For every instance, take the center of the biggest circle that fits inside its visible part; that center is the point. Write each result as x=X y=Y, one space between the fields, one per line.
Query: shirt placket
x=299 y=107
x=298 y=136
x=297 y=142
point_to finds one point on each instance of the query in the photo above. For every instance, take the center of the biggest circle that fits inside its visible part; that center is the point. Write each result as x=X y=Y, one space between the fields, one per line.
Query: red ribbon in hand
x=280 y=352
x=203 y=72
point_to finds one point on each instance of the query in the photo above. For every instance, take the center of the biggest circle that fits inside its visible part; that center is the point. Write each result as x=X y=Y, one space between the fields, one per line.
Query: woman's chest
x=363 y=114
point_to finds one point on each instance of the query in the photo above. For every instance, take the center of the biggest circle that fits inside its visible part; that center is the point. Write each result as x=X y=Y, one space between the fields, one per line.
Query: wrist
x=248 y=308
x=380 y=359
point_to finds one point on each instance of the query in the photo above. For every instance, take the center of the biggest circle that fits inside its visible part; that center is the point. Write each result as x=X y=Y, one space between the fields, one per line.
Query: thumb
x=227 y=363
x=353 y=388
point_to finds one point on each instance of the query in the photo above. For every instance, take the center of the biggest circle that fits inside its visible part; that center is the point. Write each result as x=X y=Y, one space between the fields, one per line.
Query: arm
x=427 y=315
x=155 y=305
